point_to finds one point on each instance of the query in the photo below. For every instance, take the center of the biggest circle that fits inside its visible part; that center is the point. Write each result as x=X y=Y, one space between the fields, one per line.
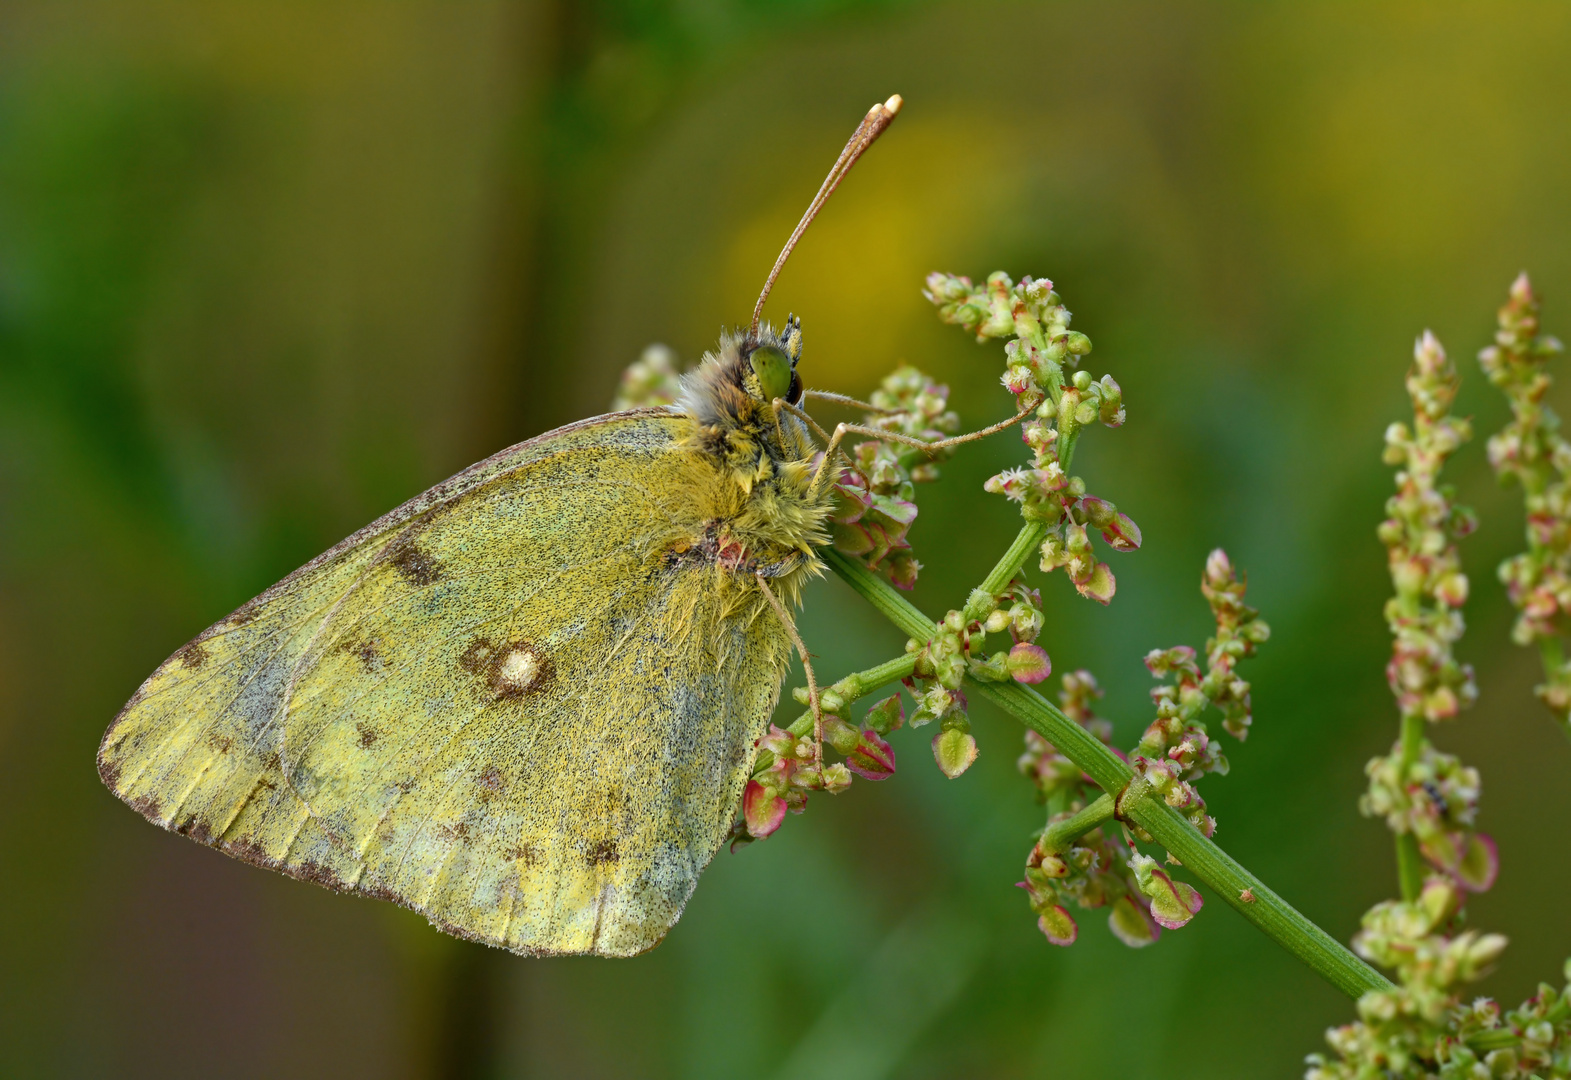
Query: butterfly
x=525 y=703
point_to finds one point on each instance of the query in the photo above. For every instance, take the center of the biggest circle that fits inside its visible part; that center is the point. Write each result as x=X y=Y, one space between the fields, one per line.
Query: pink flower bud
x=1099 y=512
x=762 y=810
x=1452 y=590
x=1173 y=903
x=873 y=758
x=1029 y=663
x=903 y=569
x=954 y=751
x=1219 y=568
x=836 y=778
x=1131 y=924
x=1123 y=534
x=1100 y=585
x=852 y=539
x=1479 y=864
x=1058 y=926
x=887 y=715
x=1017 y=379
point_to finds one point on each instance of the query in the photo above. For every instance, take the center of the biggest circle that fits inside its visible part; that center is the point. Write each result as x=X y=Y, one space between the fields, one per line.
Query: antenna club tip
x=892 y=106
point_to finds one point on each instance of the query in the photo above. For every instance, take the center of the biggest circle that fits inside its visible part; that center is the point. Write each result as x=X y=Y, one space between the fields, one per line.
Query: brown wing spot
x=192 y=655
x=603 y=852
x=489 y=782
x=525 y=854
x=368 y=735
x=366 y=651
x=509 y=670
x=453 y=832
x=220 y=742
x=242 y=615
x=416 y=566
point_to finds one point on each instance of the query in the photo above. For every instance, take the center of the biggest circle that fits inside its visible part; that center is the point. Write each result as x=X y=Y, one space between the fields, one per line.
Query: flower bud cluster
x=1531 y=451
x=1422 y=1028
x=874 y=498
x=1415 y=788
x=1040 y=361
x=652 y=379
x=789 y=766
x=1434 y=797
x=956 y=650
x=1177 y=749
x=1420 y=533
x=1095 y=871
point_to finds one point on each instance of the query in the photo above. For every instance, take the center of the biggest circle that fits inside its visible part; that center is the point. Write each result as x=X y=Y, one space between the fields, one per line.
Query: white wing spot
x=519 y=670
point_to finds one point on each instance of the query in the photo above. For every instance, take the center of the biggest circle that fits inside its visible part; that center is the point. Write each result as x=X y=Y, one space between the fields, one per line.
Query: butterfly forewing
x=508 y=705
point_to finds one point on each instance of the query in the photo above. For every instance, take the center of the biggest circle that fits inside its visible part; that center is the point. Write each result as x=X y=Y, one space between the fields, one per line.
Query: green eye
x=773 y=371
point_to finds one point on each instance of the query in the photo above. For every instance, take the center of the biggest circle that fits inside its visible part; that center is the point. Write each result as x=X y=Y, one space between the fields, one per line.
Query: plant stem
x=862 y=683
x=1553 y=656
x=1026 y=541
x=859 y=684
x=1061 y=834
x=1273 y=915
x=1409 y=860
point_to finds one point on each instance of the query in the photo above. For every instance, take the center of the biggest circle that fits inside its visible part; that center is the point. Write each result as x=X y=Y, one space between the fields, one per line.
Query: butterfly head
x=769 y=371
x=735 y=387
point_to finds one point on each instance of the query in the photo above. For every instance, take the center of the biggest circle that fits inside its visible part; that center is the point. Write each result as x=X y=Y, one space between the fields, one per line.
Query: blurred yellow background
x=267 y=270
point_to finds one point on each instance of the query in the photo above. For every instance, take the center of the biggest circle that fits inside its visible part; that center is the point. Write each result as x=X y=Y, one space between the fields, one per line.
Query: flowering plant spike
x=1423 y=1027
x=1089 y=853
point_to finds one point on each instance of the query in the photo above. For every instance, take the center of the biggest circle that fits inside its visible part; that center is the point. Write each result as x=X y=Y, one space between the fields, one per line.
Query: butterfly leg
x=807 y=666
x=782 y=403
x=841 y=399
x=842 y=430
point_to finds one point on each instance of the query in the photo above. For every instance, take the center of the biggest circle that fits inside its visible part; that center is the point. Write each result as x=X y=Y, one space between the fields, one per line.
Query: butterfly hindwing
x=508 y=705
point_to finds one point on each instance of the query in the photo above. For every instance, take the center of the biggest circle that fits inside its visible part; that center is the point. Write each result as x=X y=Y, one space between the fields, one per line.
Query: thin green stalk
x=1025 y=544
x=1553 y=656
x=1061 y=834
x=1550 y=651
x=859 y=684
x=1409 y=861
x=1245 y=893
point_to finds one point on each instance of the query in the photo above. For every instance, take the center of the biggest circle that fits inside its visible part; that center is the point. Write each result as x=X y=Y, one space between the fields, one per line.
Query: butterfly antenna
x=872 y=126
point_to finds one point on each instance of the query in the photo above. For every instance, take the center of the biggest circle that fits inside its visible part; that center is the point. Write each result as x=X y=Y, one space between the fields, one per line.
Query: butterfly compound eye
x=772 y=368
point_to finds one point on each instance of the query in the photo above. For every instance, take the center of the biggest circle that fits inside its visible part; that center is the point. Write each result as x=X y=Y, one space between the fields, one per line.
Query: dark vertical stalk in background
x=468 y=1033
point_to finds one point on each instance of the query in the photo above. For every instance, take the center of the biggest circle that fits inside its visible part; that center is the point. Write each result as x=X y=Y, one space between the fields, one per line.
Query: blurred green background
x=267 y=270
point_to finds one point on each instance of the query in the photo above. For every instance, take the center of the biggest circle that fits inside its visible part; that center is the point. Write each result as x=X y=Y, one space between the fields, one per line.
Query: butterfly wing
x=512 y=705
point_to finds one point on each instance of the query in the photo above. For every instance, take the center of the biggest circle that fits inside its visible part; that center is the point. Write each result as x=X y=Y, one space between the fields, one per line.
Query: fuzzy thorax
x=754 y=471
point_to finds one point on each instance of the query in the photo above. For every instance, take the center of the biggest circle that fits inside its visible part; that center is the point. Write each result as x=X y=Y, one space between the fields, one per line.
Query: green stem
x=1268 y=911
x=1552 y=653
x=1496 y=1039
x=1061 y=834
x=859 y=684
x=862 y=683
x=1025 y=544
x=1553 y=656
x=1410 y=866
